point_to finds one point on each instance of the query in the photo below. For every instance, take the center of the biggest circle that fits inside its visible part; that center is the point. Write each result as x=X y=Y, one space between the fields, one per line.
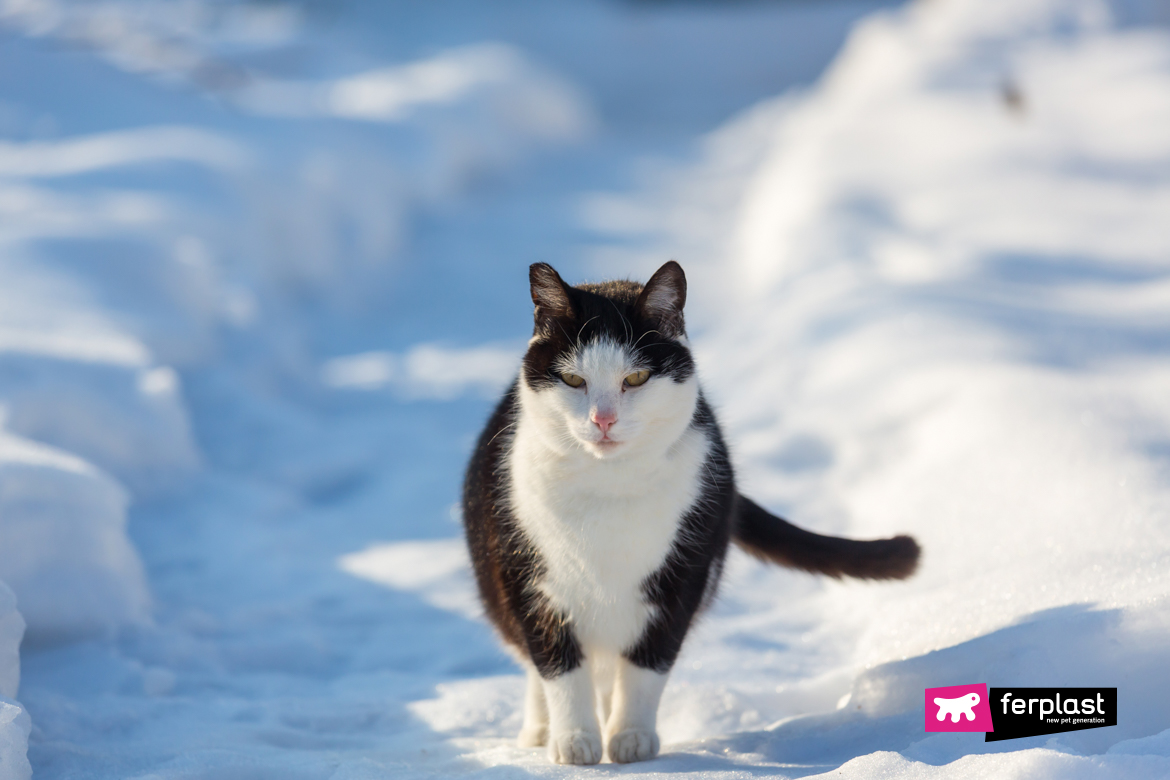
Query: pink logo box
x=958 y=708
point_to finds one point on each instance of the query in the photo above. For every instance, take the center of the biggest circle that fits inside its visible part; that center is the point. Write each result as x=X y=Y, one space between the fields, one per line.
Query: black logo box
x=1029 y=712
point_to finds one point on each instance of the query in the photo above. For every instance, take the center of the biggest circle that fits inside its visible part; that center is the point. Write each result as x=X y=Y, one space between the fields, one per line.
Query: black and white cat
x=598 y=507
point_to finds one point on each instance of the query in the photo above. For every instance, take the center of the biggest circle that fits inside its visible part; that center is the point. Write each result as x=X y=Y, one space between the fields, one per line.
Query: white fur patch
x=603 y=518
x=631 y=731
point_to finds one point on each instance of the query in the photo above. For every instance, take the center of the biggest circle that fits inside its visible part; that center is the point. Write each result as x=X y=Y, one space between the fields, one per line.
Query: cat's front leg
x=573 y=733
x=574 y=736
x=534 y=732
x=631 y=733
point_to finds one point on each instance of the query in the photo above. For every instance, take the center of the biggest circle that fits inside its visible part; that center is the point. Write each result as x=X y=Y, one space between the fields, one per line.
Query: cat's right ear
x=550 y=294
x=663 y=298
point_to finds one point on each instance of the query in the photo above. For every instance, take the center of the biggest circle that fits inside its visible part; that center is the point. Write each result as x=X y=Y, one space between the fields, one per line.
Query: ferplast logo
x=1013 y=713
x=958 y=708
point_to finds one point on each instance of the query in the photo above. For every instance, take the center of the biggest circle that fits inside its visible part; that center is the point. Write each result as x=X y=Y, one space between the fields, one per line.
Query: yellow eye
x=637 y=378
x=572 y=380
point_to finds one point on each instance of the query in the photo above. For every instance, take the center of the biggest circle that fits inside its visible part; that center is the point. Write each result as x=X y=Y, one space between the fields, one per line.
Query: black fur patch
x=505 y=561
x=688 y=578
x=570 y=318
x=770 y=538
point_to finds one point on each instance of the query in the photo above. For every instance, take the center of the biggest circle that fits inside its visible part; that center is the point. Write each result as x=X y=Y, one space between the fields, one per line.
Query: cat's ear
x=550 y=294
x=662 y=300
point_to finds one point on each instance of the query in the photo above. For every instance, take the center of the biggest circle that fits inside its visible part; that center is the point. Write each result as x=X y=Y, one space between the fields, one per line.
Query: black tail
x=774 y=539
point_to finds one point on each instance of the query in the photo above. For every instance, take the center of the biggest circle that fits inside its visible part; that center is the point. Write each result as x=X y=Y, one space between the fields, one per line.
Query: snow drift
x=941 y=309
x=66 y=554
x=11 y=632
x=14 y=721
x=14 y=730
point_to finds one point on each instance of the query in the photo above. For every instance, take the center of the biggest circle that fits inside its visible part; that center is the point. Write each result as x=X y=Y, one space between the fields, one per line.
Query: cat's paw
x=632 y=745
x=575 y=747
x=532 y=736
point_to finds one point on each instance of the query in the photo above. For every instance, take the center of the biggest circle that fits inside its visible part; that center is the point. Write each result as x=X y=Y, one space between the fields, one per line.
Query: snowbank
x=955 y=259
x=14 y=721
x=14 y=731
x=1136 y=759
x=11 y=632
x=65 y=553
x=367 y=142
x=129 y=250
x=938 y=305
x=129 y=420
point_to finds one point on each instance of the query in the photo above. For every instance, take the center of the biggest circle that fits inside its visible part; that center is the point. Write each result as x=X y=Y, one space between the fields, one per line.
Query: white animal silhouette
x=964 y=704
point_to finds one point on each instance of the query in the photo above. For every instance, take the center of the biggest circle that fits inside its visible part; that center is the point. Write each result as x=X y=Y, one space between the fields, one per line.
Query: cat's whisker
x=625 y=322
x=644 y=335
x=503 y=430
x=582 y=330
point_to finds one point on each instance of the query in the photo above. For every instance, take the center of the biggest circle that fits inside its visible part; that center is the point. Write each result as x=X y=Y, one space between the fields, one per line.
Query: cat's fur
x=598 y=516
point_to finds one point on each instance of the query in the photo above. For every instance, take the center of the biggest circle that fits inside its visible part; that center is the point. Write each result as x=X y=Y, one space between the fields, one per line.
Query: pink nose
x=603 y=420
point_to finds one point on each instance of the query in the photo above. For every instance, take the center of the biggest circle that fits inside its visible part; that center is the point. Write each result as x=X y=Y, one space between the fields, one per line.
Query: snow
x=14 y=720
x=428 y=370
x=128 y=420
x=14 y=730
x=66 y=554
x=264 y=274
x=11 y=632
x=437 y=570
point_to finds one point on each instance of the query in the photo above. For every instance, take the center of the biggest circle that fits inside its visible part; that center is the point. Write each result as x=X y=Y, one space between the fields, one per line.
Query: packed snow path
x=264 y=270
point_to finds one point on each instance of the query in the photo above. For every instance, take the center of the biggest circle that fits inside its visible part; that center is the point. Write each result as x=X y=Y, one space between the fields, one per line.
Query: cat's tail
x=770 y=538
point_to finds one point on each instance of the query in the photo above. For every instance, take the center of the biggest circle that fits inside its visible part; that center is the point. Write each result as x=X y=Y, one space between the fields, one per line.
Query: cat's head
x=608 y=370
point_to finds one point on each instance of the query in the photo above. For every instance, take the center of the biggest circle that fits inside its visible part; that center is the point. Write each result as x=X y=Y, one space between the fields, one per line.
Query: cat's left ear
x=550 y=294
x=662 y=300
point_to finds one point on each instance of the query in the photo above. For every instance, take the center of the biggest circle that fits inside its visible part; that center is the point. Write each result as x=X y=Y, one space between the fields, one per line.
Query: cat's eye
x=572 y=380
x=637 y=378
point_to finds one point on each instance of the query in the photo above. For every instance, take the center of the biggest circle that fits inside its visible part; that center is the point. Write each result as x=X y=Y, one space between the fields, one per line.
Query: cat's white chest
x=601 y=527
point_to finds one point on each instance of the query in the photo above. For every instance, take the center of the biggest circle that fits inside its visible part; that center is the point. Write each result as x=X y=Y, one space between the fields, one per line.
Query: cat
x=598 y=507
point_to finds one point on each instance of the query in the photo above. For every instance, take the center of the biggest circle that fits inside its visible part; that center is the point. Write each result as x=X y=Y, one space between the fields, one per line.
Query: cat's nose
x=603 y=420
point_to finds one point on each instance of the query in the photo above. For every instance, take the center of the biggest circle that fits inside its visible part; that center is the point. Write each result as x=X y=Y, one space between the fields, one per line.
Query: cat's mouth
x=606 y=444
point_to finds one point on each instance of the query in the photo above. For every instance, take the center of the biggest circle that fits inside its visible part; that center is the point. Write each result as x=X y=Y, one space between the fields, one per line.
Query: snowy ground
x=263 y=269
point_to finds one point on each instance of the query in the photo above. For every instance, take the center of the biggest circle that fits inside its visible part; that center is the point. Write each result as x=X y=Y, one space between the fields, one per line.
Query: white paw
x=633 y=745
x=575 y=747
x=532 y=736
